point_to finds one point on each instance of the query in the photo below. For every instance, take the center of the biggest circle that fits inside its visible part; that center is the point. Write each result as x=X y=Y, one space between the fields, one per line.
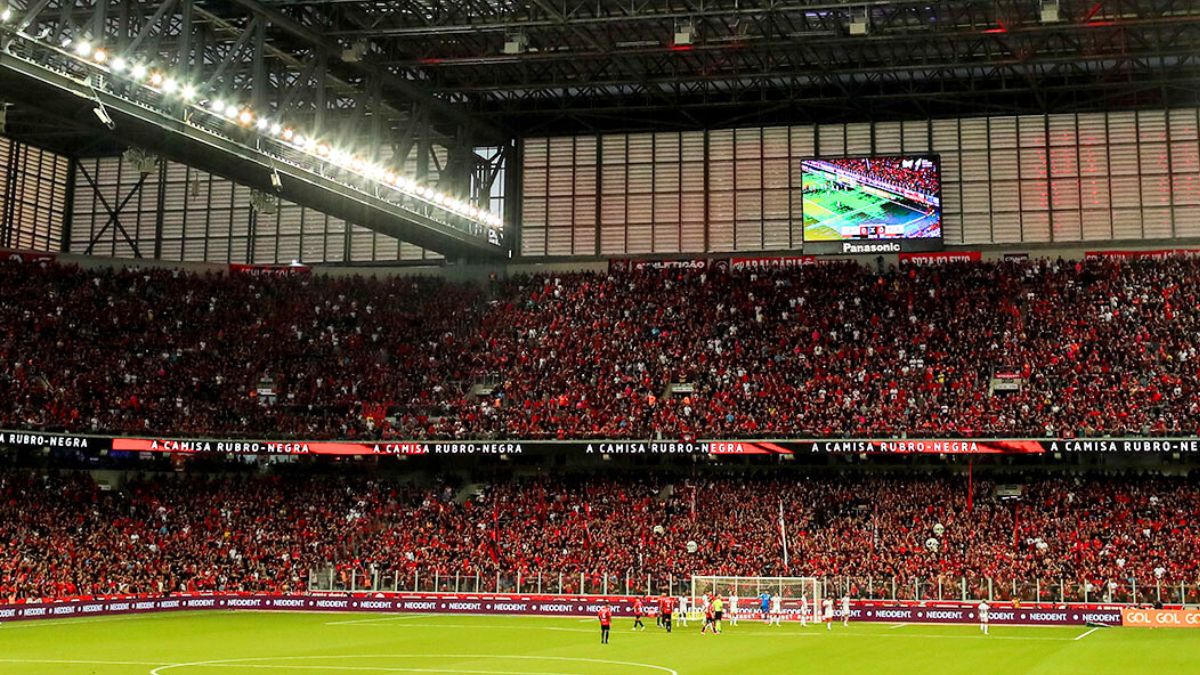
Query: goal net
x=800 y=595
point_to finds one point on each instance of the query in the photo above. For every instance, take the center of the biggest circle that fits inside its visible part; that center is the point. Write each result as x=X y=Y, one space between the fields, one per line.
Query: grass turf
x=223 y=643
x=826 y=210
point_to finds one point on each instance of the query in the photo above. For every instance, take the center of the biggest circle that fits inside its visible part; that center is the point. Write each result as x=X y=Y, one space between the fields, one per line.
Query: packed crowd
x=910 y=173
x=61 y=535
x=839 y=350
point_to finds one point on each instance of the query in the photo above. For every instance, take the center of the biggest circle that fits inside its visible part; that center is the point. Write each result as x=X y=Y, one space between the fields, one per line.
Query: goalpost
x=748 y=590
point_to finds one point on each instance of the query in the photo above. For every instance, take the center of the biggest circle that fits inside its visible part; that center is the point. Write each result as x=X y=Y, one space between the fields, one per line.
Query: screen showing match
x=889 y=198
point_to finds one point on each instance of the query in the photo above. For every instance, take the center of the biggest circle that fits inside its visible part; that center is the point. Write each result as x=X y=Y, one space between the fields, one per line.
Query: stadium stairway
x=468 y=492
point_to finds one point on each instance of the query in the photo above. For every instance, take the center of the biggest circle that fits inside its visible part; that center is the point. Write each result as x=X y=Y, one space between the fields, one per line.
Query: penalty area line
x=81 y=662
x=272 y=662
x=1087 y=633
x=379 y=619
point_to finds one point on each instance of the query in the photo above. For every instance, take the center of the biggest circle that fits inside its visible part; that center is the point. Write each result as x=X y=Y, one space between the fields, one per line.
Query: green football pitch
x=223 y=643
x=826 y=210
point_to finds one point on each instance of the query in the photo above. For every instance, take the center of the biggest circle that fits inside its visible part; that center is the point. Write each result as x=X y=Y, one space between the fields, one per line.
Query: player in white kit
x=683 y=610
x=777 y=610
x=804 y=610
x=983 y=617
x=733 y=610
x=827 y=613
x=846 y=610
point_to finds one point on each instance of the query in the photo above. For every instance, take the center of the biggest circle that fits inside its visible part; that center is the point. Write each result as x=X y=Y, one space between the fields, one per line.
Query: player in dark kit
x=666 y=608
x=605 y=615
x=638 y=613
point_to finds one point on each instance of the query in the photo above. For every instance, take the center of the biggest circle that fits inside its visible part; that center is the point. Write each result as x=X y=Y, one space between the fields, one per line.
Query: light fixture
x=6 y=15
x=276 y=181
x=683 y=34
x=1050 y=12
x=159 y=80
x=860 y=22
x=102 y=114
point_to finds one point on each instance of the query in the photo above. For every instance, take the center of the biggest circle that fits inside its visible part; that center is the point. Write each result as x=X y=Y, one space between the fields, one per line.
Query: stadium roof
x=488 y=71
x=570 y=65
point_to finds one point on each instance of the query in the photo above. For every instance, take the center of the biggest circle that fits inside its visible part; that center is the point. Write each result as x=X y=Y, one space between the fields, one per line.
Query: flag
x=783 y=535
x=587 y=529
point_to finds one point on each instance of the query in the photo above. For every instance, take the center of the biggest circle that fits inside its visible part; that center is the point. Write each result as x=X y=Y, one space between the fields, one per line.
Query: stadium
x=566 y=338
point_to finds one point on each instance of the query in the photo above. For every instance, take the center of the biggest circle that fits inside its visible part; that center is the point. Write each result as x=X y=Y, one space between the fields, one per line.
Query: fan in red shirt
x=605 y=615
x=638 y=613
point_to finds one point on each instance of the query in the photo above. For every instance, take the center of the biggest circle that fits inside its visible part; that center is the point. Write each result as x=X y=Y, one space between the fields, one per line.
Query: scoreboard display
x=878 y=204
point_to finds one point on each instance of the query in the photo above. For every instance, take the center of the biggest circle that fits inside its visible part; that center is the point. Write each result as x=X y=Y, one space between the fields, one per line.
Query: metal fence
x=347 y=578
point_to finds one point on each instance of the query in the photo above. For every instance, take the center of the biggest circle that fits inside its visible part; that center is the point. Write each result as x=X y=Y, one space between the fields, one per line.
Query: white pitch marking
x=478 y=627
x=825 y=634
x=247 y=663
x=82 y=662
x=899 y=625
x=378 y=669
x=1087 y=633
x=379 y=619
x=36 y=623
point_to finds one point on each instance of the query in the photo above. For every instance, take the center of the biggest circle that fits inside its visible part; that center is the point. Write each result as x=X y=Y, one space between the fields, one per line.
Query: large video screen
x=872 y=204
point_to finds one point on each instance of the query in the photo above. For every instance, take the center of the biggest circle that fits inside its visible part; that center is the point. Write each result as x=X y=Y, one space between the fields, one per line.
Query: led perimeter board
x=879 y=204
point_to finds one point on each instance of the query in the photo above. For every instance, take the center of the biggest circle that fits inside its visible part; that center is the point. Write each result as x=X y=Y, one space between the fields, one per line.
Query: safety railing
x=367 y=578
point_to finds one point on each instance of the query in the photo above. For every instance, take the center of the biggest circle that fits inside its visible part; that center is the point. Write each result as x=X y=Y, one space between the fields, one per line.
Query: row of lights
x=232 y=112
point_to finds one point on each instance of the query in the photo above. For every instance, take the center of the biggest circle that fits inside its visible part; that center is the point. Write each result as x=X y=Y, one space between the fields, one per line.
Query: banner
x=1160 y=618
x=931 y=447
x=773 y=262
x=937 y=258
x=27 y=257
x=893 y=611
x=686 y=264
x=269 y=270
x=1155 y=254
x=39 y=439
x=878 y=446
x=937 y=612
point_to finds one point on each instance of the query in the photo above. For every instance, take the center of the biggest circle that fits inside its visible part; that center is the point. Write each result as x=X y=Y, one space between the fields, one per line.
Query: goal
x=748 y=589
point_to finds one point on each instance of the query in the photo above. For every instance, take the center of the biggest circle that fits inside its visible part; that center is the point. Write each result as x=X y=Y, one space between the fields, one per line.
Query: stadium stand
x=829 y=351
x=62 y=536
